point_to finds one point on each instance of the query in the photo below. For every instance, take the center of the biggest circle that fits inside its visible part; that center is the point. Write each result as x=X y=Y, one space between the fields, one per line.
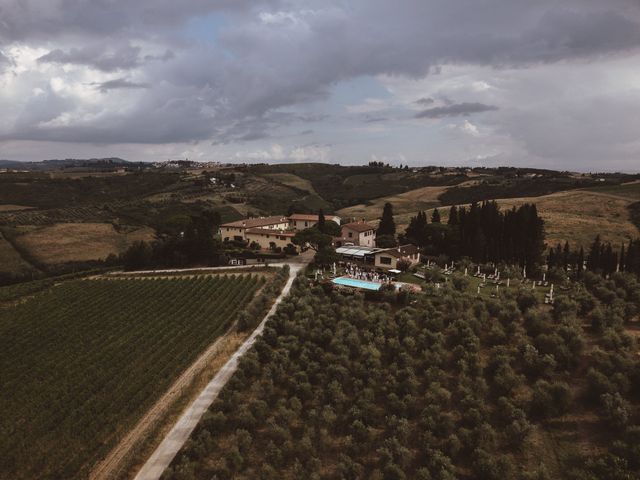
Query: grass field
x=573 y=215
x=10 y=260
x=77 y=242
x=292 y=180
x=577 y=216
x=629 y=190
x=82 y=361
x=12 y=208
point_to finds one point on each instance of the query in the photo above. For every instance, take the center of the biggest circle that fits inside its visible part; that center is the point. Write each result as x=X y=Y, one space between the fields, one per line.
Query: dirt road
x=179 y=434
x=111 y=466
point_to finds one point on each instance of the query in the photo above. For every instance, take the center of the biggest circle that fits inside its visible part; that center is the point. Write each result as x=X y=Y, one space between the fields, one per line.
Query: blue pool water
x=352 y=282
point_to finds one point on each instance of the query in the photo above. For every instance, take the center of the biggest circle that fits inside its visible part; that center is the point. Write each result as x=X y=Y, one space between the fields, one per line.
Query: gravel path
x=181 y=431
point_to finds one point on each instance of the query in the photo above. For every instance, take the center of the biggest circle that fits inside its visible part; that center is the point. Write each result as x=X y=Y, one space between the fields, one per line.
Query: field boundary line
x=181 y=431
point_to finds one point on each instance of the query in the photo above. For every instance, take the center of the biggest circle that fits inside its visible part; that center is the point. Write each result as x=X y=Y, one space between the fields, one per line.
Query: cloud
x=119 y=83
x=371 y=119
x=124 y=58
x=313 y=152
x=456 y=110
x=232 y=71
x=4 y=61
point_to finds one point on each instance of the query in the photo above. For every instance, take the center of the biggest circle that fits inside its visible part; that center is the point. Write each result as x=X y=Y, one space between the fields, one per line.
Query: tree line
x=190 y=241
x=483 y=233
x=601 y=258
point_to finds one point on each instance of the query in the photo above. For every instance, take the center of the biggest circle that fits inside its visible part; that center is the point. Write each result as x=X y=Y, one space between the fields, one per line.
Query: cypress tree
x=435 y=217
x=453 y=216
x=593 y=259
x=321 y=221
x=416 y=231
x=566 y=255
x=580 y=266
x=387 y=225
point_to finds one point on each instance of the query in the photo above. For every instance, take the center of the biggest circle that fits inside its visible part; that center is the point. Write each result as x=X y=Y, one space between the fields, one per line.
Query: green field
x=83 y=360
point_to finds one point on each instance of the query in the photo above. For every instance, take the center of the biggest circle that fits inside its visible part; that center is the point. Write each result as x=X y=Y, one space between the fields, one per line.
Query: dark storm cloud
x=270 y=55
x=46 y=19
x=425 y=101
x=119 y=83
x=456 y=110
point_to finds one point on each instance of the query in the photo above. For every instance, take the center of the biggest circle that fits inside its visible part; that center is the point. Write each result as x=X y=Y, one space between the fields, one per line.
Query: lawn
x=77 y=242
x=11 y=263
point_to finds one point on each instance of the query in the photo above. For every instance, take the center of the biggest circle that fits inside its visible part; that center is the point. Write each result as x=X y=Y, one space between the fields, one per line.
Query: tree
x=386 y=241
x=321 y=221
x=332 y=228
x=593 y=259
x=580 y=263
x=325 y=255
x=435 y=216
x=312 y=237
x=387 y=224
x=453 y=216
x=416 y=231
x=138 y=256
x=404 y=265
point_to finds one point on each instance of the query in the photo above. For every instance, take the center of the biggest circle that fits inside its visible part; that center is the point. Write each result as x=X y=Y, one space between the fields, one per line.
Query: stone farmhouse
x=270 y=232
x=300 y=221
x=360 y=234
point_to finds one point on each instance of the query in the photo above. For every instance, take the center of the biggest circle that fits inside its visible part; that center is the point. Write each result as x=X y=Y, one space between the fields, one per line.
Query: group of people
x=354 y=271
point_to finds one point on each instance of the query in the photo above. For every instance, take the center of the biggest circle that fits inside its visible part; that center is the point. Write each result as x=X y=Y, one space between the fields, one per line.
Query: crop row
x=82 y=361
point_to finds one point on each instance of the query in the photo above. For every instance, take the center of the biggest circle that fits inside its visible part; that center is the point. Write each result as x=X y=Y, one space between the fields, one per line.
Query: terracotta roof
x=402 y=251
x=310 y=217
x=359 y=227
x=270 y=231
x=256 y=222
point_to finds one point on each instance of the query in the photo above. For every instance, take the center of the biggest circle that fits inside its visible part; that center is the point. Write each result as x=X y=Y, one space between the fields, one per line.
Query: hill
x=574 y=215
x=148 y=197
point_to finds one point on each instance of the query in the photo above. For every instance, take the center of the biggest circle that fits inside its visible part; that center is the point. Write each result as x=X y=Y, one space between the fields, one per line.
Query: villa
x=270 y=232
x=359 y=234
x=389 y=258
x=237 y=230
x=300 y=221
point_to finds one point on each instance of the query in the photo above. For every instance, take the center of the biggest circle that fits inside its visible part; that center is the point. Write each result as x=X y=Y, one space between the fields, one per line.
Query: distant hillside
x=98 y=163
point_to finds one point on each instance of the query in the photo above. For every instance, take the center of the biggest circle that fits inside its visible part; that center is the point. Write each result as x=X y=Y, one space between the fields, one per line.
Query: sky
x=545 y=83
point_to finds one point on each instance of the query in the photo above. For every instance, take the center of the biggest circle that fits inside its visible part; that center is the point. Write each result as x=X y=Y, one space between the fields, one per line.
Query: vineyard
x=83 y=360
x=69 y=214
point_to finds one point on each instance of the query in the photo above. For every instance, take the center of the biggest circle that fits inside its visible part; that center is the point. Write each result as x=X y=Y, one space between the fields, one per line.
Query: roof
x=355 y=251
x=256 y=222
x=310 y=217
x=402 y=251
x=270 y=231
x=359 y=227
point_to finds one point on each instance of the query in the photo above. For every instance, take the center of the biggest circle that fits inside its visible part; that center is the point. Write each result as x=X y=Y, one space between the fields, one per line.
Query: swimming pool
x=353 y=282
